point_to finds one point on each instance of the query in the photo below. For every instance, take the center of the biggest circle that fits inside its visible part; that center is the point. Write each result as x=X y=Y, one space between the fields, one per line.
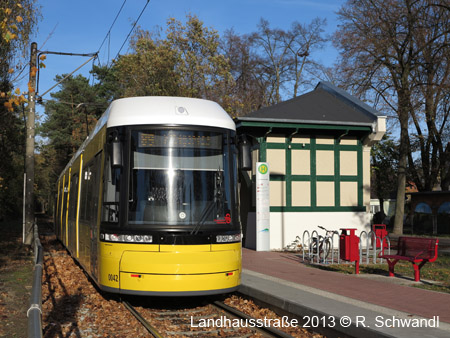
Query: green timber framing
x=259 y=131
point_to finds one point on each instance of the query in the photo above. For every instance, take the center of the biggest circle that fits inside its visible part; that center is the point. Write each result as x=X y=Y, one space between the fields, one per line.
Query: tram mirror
x=245 y=155
x=116 y=154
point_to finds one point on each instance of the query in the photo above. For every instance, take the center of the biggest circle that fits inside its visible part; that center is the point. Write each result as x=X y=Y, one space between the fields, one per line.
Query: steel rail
x=142 y=320
x=217 y=305
x=273 y=332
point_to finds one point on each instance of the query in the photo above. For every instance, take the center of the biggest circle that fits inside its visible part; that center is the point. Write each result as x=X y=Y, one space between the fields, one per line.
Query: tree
x=305 y=39
x=46 y=175
x=432 y=85
x=384 y=158
x=445 y=171
x=284 y=55
x=17 y=21
x=274 y=60
x=12 y=149
x=204 y=72
x=187 y=62
x=150 y=69
x=381 y=55
x=249 y=92
x=108 y=86
x=71 y=116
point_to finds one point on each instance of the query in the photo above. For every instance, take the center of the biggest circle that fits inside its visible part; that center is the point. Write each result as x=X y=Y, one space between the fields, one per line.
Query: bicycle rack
x=303 y=243
x=322 y=240
x=338 y=248
x=369 y=250
x=361 y=246
x=371 y=245
x=307 y=243
x=311 y=254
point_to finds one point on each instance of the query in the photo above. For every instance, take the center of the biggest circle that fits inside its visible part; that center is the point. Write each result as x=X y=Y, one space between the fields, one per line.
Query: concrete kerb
x=303 y=302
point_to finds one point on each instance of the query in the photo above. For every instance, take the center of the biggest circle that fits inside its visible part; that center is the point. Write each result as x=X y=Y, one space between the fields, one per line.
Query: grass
x=438 y=272
x=15 y=280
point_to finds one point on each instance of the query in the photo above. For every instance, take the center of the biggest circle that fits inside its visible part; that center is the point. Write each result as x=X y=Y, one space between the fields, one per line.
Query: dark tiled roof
x=326 y=104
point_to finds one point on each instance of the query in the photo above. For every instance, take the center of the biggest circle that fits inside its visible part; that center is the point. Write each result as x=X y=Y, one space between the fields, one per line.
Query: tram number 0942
x=113 y=278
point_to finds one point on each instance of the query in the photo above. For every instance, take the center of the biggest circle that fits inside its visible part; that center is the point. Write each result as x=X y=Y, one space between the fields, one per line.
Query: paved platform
x=374 y=307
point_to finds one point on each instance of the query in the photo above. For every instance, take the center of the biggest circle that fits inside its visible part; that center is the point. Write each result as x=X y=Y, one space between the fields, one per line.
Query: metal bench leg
x=417 y=270
x=391 y=265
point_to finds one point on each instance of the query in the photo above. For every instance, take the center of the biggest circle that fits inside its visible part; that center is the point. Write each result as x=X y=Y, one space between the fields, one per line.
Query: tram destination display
x=179 y=140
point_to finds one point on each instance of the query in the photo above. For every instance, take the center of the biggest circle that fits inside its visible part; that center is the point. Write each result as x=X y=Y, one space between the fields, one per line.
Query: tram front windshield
x=179 y=177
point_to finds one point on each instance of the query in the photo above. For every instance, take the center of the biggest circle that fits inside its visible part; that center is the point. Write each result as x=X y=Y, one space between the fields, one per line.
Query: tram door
x=96 y=168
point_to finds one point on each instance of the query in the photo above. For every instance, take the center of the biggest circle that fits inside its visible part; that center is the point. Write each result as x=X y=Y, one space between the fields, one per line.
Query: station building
x=430 y=211
x=317 y=146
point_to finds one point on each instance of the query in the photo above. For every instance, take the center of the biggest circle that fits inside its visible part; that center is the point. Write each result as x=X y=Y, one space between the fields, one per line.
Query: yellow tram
x=148 y=204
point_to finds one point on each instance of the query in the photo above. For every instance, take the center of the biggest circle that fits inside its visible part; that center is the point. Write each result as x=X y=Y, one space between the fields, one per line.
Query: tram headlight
x=228 y=238
x=112 y=237
x=126 y=238
x=148 y=239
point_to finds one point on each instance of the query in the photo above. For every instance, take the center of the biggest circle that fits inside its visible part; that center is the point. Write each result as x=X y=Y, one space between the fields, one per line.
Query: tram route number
x=113 y=278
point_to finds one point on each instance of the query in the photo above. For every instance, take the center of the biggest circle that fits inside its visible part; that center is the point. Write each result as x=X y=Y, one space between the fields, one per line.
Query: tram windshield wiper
x=217 y=201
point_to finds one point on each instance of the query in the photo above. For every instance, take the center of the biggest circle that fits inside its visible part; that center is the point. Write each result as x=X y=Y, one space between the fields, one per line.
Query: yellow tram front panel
x=171 y=268
x=109 y=262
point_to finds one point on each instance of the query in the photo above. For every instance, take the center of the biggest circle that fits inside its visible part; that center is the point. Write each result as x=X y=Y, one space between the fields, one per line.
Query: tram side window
x=111 y=184
x=59 y=207
x=73 y=198
x=89 y=191
x=95 y=186
x=85 y=193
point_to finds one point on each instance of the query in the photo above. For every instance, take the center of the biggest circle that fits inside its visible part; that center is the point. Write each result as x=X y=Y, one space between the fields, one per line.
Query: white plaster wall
x=284 y=227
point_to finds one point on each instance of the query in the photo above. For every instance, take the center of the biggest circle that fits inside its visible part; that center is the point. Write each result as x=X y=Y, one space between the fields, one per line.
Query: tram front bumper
x=181 y=269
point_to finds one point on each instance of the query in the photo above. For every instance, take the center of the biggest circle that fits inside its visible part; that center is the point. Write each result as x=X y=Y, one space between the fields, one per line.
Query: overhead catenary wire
x=108 y=34
x=75 y=54
x=17 y=78
x=69 y=75
x=132 y=29
x=94 y=55
x=47 y=52
x=93 y=104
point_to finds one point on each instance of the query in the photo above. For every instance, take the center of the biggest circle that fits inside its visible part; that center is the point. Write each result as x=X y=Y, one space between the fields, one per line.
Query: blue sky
x=80 y=26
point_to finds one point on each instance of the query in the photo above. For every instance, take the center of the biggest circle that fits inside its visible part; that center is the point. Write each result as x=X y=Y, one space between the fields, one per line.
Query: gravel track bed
x=73 y=307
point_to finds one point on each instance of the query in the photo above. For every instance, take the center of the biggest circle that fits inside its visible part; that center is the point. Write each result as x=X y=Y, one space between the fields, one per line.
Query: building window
x=422 y=208
x=443 y=219
x=314 y=173
x=444 y=208
x=423 y=219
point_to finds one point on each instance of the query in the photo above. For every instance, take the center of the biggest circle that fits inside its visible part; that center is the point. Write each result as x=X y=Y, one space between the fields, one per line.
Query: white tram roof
x=155 y=110
x=159 y=110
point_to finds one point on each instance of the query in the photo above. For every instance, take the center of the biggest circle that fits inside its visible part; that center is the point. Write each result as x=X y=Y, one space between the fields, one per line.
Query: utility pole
x=29 y=151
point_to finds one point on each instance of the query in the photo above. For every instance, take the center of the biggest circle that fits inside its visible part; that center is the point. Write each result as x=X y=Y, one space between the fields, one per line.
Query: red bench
x=416 y=250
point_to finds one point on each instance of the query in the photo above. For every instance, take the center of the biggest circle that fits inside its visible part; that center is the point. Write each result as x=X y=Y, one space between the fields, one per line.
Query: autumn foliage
x=17 y=20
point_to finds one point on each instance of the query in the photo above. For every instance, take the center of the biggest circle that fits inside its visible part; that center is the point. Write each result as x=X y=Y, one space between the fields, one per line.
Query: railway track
x=214 y=319
x=72 y=305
